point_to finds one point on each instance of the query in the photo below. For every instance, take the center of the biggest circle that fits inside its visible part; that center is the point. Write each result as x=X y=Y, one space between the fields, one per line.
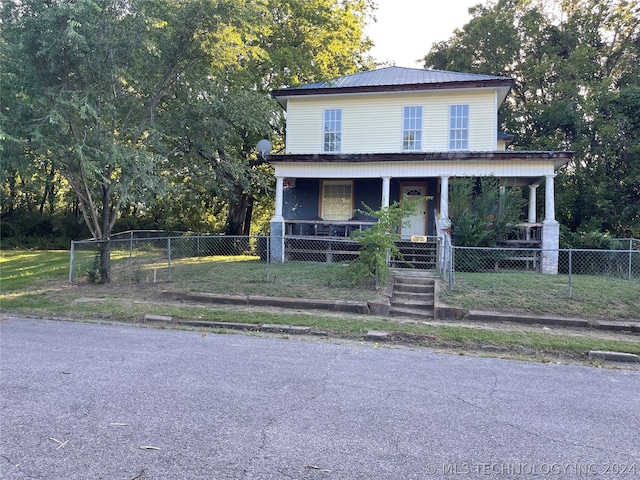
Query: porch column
x=550 y=231
x=444 y=202
x=532 y=203
x=277 y=225
x=279 y=193
x=549 y=200
x=386 y=181
x=444 y=224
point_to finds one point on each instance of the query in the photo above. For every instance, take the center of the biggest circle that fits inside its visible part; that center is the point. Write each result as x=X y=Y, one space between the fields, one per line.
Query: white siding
x=373 y=123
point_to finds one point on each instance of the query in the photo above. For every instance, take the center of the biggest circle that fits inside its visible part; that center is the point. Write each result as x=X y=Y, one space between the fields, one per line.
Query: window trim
x=459 y=135
x=334 y=121
x=419 y=121
x=321 y=208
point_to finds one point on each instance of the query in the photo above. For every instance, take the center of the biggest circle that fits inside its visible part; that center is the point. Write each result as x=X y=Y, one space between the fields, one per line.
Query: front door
x=417 y=223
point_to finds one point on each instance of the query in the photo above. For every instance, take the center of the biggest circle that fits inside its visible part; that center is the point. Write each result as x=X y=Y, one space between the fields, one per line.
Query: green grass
x=592 y=297
x=239 y=275
x=20 y=269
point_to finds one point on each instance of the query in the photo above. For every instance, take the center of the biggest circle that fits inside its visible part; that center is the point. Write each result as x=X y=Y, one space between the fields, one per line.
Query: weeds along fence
x=571 y=263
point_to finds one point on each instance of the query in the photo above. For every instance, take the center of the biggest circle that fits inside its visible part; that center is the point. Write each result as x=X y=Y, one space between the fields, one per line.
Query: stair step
x=411 y=305
x=423 y=297
x=410 y=288
x=414 y=265
x=412 y=296
x=414 y=280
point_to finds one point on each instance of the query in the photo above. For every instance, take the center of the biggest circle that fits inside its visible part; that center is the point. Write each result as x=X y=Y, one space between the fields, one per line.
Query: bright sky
x=406 y=29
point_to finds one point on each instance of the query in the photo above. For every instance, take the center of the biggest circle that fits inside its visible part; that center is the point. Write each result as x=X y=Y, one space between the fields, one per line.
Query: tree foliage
x=577 y=79
x=152 y=108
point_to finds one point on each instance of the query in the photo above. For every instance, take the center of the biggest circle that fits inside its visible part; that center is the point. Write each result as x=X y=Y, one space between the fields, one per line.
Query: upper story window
x=459 y=127
x=412 y=128
x=332 y=141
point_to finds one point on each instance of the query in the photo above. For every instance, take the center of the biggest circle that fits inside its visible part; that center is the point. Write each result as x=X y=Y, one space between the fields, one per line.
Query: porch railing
x=325 y=228
x=526 y=233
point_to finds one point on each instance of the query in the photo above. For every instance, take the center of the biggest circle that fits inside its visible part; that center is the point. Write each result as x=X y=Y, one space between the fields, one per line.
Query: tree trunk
x=247 y=217
x=105 y=248
x=105 y=262
x=237 y=222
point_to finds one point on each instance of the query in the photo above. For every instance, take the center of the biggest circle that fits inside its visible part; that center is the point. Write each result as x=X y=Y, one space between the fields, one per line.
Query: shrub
x=377 y=244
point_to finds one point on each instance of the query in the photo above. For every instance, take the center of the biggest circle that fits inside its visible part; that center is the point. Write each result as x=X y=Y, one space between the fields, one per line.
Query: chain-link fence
x=621 y=264
x=225 y=264
x=161 y=259
x=316 y=266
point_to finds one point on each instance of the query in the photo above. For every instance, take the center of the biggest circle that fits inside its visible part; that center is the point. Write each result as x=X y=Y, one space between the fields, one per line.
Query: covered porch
x=321 y=195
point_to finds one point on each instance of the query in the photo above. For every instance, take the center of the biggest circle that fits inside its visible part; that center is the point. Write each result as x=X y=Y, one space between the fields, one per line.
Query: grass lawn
x=592 y=297
x=22 y=268
x=239 y=274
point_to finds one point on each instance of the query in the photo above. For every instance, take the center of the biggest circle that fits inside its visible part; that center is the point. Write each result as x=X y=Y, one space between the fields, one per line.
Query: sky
x=406 y=29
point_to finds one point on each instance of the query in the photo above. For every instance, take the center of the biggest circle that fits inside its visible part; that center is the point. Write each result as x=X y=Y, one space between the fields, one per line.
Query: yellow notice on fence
x=419 y=238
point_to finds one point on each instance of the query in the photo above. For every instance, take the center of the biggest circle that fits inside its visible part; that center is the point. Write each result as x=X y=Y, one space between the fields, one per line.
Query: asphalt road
x=89 y=401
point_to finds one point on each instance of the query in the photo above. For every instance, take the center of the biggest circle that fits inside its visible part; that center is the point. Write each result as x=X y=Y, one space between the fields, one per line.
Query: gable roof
x=395 y=79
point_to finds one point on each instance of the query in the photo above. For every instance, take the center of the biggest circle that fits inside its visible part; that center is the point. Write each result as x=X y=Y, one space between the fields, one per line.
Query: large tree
x=576 y=70
x=98 y=77
x=154 y=107
x=213 y=142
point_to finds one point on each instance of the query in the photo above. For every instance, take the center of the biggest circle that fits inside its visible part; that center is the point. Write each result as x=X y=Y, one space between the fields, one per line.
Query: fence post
x=630 y=260
x=268 y=257
x=130 y=247
x=570 y=276
x=451 y=254
x=169 y=256
x=71 y=259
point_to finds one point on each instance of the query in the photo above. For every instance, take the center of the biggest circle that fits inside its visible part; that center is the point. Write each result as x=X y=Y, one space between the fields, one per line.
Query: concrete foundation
x=550 y=246
x=277 y=241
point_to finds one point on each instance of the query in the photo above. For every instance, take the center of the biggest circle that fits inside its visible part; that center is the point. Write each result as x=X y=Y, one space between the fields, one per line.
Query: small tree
x=378 y=242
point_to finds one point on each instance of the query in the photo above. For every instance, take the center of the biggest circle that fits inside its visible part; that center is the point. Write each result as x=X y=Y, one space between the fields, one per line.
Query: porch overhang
x=512 y=164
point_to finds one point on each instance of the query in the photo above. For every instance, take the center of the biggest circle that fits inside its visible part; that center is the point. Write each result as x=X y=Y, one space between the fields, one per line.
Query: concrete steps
x=412 y=296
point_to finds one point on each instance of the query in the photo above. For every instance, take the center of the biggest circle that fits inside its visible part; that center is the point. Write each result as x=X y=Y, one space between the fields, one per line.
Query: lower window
x=337 y=199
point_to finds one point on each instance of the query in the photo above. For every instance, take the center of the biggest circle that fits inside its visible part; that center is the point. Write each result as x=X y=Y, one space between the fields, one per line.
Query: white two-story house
x=383 y=135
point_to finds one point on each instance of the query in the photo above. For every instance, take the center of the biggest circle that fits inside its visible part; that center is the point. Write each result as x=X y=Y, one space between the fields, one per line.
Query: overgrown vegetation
x=378 y=243
x=483 y=213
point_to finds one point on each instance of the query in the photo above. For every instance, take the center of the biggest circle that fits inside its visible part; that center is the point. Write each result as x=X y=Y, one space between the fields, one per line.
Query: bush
x=589 y=241
x=29 y=230
x=481 y=216
x=377 y=244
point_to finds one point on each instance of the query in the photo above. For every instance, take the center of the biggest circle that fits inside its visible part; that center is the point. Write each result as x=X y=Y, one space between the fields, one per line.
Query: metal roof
x=395 y=80
x=390 y=76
